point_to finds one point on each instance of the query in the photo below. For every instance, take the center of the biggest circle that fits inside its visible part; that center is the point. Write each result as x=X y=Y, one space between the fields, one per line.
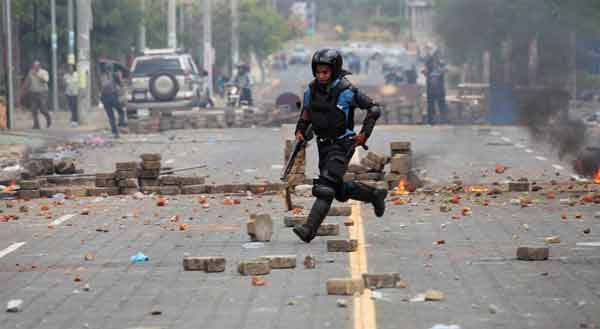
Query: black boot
x=318 y=212
x=375 y=196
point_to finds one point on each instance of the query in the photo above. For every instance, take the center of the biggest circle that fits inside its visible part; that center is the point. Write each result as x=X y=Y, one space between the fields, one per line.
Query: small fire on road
x=597 y=176
x=476 y=189
x=401 y=188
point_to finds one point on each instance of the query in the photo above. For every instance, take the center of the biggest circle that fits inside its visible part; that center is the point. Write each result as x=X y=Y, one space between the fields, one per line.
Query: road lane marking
x=364 y=307
x=506 y=139
x=541 y=158
x=11 y=248
x=62 y=219
x=528 y=151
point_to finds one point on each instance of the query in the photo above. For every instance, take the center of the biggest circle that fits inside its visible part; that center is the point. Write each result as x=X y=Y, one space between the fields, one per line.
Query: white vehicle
x=165 y=79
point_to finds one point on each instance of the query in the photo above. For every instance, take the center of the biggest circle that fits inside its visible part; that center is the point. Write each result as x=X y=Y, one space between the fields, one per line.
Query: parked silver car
x=166 y=79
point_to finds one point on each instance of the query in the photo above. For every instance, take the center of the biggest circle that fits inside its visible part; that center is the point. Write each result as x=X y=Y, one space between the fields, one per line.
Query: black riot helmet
x=327 y=56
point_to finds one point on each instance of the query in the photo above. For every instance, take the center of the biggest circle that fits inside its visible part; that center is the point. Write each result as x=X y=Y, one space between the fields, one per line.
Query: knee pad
x=343 y=194
x=322 y=191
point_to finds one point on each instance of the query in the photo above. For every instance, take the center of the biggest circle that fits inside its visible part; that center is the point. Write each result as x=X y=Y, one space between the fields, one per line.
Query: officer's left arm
x=373 y=109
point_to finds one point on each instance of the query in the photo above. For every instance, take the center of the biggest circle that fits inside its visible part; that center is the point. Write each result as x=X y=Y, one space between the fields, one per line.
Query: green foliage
x=262 y=30
x=115 y=26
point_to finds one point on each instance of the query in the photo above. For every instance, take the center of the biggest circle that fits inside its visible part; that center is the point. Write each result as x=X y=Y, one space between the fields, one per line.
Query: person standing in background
x=36 y=88
x=72 y=92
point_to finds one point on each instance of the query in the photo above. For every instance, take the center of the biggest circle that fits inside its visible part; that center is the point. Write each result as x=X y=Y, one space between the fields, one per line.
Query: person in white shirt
x=71 y=79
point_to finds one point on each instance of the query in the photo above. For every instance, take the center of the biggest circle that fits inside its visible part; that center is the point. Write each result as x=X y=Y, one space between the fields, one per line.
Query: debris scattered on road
x=253 y=245
x=156 y=312
x=533 y=253
x=258 y=281
x=86 y=287
x=88 y=256
x=445 y=326
x=345 y=286
x=139 y=258
x=493 y=309
x=309 y=262
x=77 y=278
x=14 y=305
x=434 y=295
x=260 y=227
x=587 y=230
x=342 y=303
x=552 y=239
x=588 y=244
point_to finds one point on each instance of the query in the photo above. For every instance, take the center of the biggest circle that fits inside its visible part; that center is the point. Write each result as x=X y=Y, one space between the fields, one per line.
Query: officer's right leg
x=324 y=194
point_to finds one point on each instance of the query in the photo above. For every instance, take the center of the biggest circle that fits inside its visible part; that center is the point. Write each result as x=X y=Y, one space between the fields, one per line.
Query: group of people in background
x=34 y=95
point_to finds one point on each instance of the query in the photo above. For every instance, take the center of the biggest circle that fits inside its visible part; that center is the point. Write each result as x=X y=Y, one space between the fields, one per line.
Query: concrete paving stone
x=400 y=164
x=29 y=194
x=126 y=166
x=342 y=245
x=105 y=182
x=149 y=157
x=260 y=227
x=371 y=165
x=169 y=180
x=377 y=158
x=110 y=175
x=151 y=189
x=518 y=186
x=149 y=173
x=194 y=189
x=382 y=280
x=280 y=261
x=340 y=211
x=533 y=253
x=345 y=286
x=125 y=174
x=29 y=184
x=293 y=220
x=169 y=190
x=151 y=165
x=128 y=183
x=192 y=180
x=254 y=267
x=328 y=229
x=99 y=191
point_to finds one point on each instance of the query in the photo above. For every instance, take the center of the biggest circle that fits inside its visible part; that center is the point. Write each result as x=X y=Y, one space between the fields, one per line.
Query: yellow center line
x=364 y=308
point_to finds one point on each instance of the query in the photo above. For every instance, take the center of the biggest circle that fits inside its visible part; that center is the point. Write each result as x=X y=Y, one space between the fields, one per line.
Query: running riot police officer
x=329 y=104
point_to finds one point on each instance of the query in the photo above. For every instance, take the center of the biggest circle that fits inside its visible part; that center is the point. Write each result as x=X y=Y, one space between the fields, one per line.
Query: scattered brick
x=383 y=280
x=254 y=267
x=328 y=229
x=533 y=253
x=342 y=245
x=345 y=286
x=260 y=227
x=280 y=261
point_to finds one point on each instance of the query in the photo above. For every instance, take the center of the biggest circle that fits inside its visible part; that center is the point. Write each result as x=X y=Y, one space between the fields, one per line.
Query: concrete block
x=254 y=267
x=382 y=280
x=340 y=211
x=194 y=263
x=151 y=165
x=149 y=173
x=126 y=166
x=533 y=253
x=280 y=261
x=99 y=191
x=371 y=165
x=169 y=190
x=191 y=180
x=401 y=164
x=342 y=245
x=110 y=175
x=149 y=157
x=291 y=221
x=215 y=264
x=149 y=182
x=128 y=183
x=194 y=189
x=345 y=286
x=518 y=186
x=377 y=158
x=260 y=227
x=29 y=184
x=125 y=174
x=128 y=190
x=328 y=229
x=357 y=168
x=169 y=180
x=29 y=194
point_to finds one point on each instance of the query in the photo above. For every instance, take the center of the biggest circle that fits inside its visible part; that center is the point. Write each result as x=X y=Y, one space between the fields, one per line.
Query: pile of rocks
x=370 y=169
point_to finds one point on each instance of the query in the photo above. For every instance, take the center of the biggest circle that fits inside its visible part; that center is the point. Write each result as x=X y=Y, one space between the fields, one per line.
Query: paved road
x=475 y=268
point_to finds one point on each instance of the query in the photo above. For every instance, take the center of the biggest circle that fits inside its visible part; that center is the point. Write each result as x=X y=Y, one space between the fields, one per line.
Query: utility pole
x=84 y=25
x=9 y=65
x=235 y=35
x=71 y=23
x=208 y=49
x=142 y=36
x=54 y=42
x=172 y=24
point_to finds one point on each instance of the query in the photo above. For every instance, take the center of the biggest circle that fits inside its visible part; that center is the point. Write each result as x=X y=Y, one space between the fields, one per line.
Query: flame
x=401 y=188
x=597 y=176
x=476 y=189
